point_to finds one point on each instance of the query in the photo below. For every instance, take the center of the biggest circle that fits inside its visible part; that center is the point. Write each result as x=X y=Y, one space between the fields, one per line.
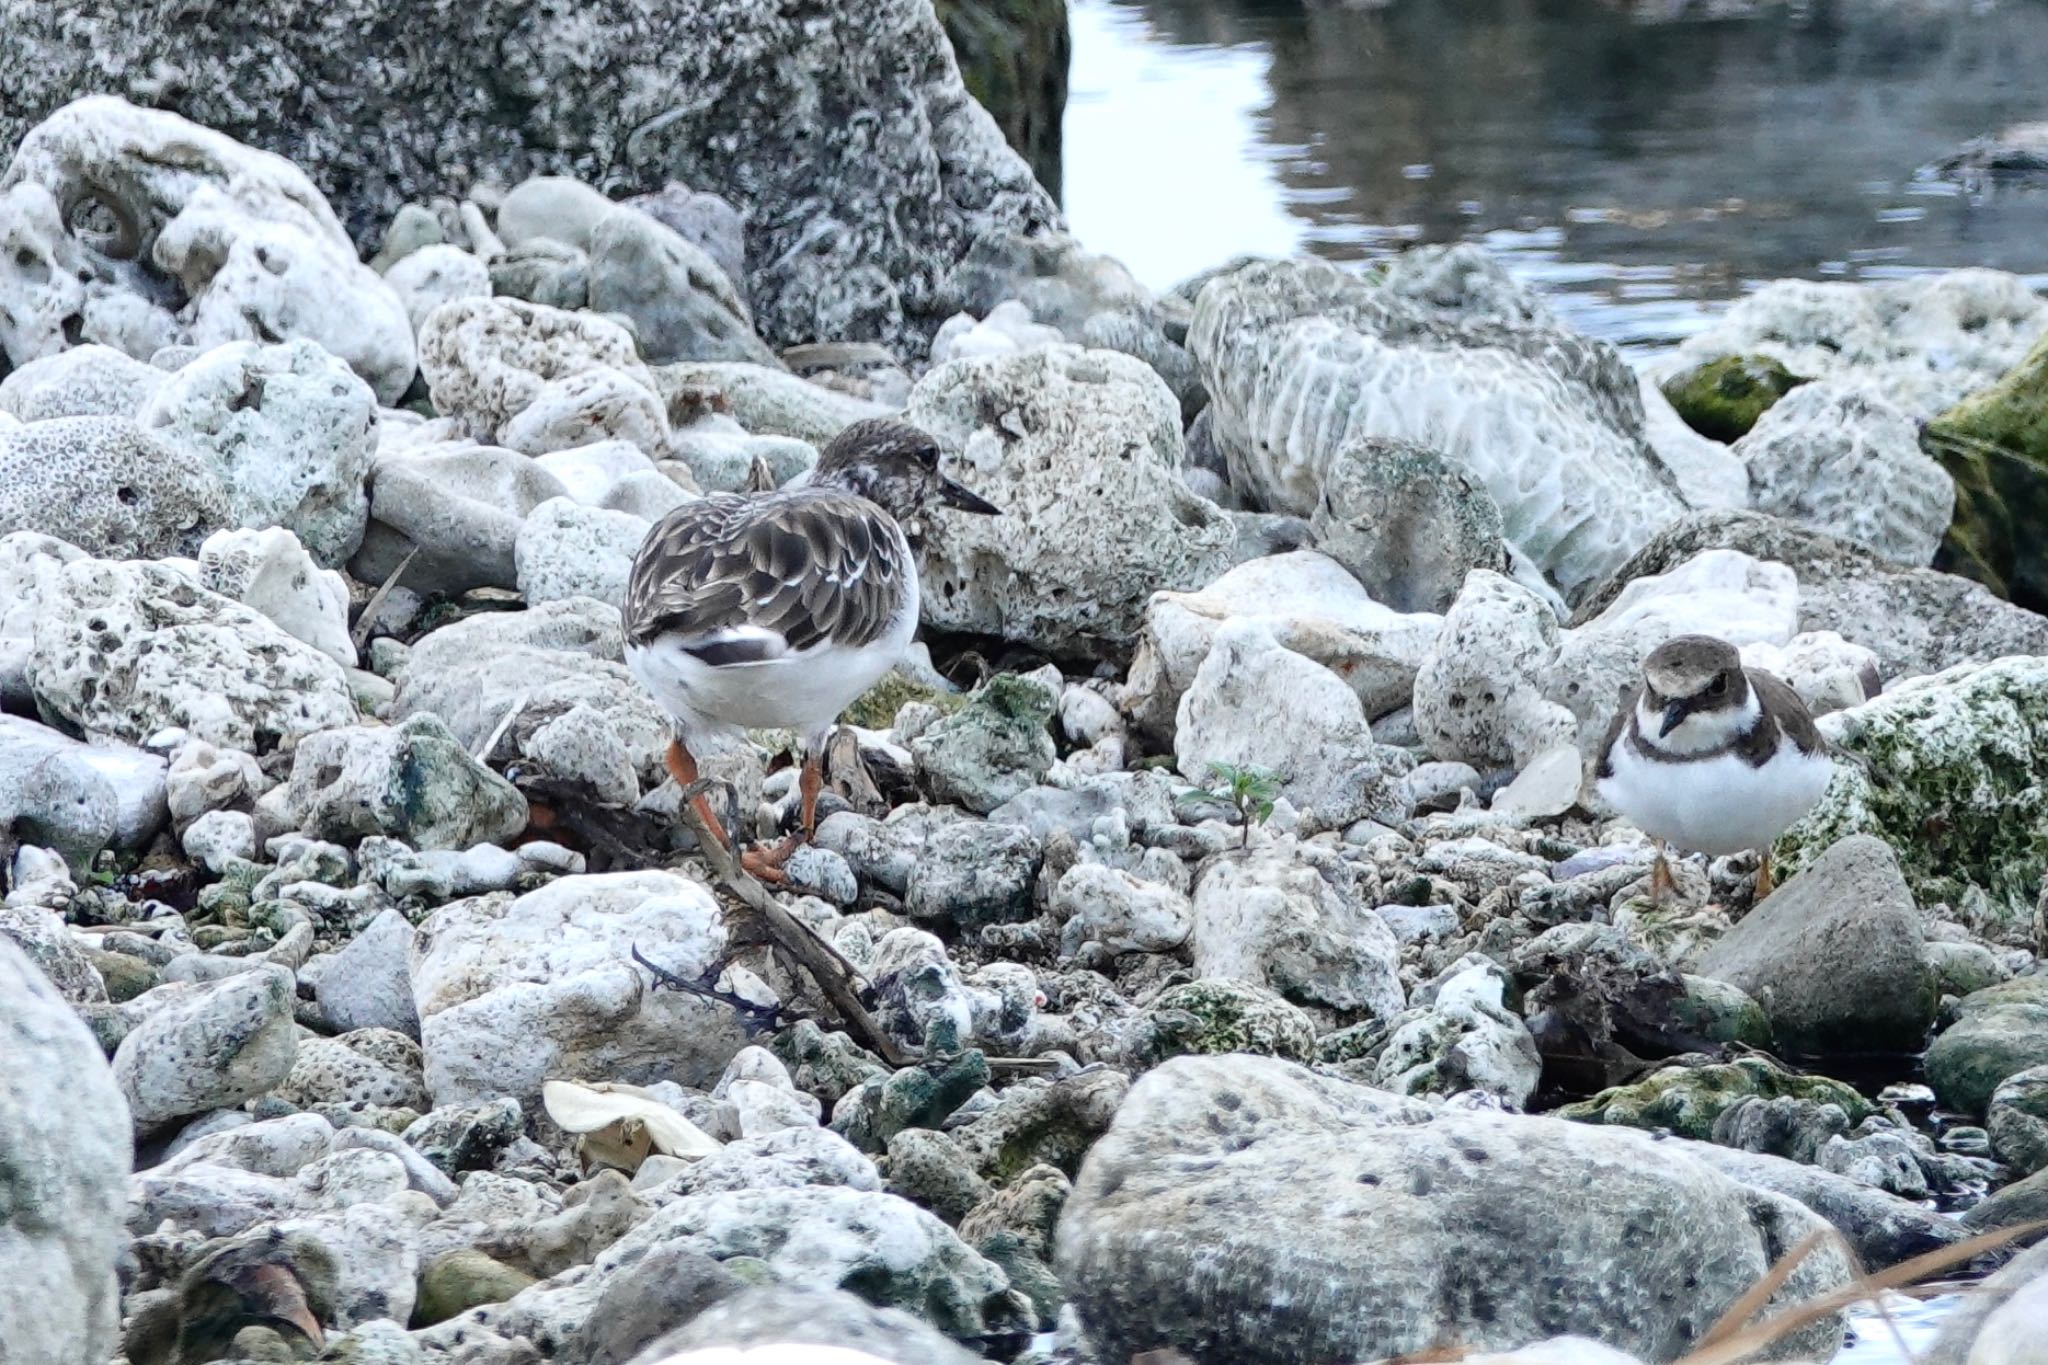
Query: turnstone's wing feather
x=1615 y=729
x=737 y=580
x=1780 y=703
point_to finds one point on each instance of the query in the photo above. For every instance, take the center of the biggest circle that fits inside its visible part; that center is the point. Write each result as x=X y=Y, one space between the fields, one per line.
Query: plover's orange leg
x=1662 y=881
x=1764 y=883
x=682 y=766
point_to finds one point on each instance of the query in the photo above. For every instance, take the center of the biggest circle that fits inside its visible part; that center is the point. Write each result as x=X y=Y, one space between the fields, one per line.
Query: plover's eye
x=1719 y=687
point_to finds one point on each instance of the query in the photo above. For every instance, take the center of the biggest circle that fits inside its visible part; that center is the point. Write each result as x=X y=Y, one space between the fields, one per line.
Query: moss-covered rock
x=1687 y=1100
x=1951 y=771
x=1994 y=443
x=126 y=976
x=1723 y=398
x=1013 y=56
x=460 y=1280
x=922 y=1096
x=876 y=708
x=991 y=748
x=1720 y=1013
x=1214 y=1015
x=1998 y=1033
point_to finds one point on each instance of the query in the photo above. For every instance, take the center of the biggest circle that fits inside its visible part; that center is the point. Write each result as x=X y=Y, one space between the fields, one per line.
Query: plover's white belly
x=1716 y=805
x=804 y=691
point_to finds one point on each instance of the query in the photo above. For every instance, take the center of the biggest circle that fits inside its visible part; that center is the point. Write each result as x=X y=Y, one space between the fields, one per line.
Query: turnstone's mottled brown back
x=753 y=577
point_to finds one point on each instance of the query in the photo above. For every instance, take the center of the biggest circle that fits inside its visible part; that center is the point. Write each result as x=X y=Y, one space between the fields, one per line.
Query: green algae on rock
x=1013 y=57
x=1994 y=444
x=1999 y=1032
x=876 y=708
x=1688 y=1099
x=1950 y=770
x=1723 y=398
x=1214 y=1015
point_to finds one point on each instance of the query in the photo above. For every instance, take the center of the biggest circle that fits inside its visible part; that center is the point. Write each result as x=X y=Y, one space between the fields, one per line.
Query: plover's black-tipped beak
x=1673 y=713
x=966 y=500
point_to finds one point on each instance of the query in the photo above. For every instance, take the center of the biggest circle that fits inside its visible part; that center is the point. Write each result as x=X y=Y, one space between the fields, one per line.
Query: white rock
x=271 y=572
x=592 y=405
x=434 y=275
x=1465 y=1039
x=513 y=993
x=456 y=509
x=205 y=777
x=413 y=781
x=290 y=432
x=109 y=487
x=85 y=381
x=218 y=838
x=1827 y=672
x=1310 y=604
x=1287 y=916
x=134 y=779
x=209 y=1047
x=123 y=651
x=54 y=291
x=1082 y=451
x=590 y=473
x=1841 y=457
x=1105 y=905
x=1479 y=693
x=1006 y=330
x=1253 y=704
x=1548 y=786
x=568 y=550
x=19 y=553
x=582 y=745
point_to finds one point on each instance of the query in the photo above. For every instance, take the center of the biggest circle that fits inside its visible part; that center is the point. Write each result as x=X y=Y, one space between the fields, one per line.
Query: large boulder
x=1082 y=452
x=241 y=235
x=1243 y=1210
x=515 y=992
x=1303 y=359
x=1952 y=772
x=840 y=128
x=65 y=1131
x=1995 y=444
x=1834 y=955
x=123 y=651
x=1998 y=1033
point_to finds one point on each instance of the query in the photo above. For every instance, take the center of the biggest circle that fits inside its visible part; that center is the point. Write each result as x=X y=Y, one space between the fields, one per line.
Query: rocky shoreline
x=1243 y=967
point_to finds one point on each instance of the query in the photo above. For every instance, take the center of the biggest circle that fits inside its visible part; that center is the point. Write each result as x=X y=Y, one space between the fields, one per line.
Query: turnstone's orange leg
x=810 y=782
x=766 y=863
x=683 y=768
x=1764 y=884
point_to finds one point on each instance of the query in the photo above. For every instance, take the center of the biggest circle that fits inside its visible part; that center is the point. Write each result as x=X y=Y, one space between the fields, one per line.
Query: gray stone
x=109 y=487
x=461 y=507
x=64 y=1195
x=681 y=305
x=2003 y=1321
x=568 y=550
x=991 y=749
x=1242 y=1209
x=1406 y=523
x=704 y=220
x=61 y=794
x=368 y=984
x=1999 y=1032
x=431 y=276
x=1833 y=956
x=1882 y=1228
x=543 y=271
x=972 y=874
x=2018 y=1120
x=789 y=1315
x=208 y=1047
x=412 y=781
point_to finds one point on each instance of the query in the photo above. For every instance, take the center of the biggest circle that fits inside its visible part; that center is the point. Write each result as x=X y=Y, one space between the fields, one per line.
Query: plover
x=777 y=610
x=1711 y=756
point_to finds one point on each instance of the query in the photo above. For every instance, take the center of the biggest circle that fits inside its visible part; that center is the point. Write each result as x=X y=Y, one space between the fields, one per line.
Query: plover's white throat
x=777 y=610
x=1711 y=756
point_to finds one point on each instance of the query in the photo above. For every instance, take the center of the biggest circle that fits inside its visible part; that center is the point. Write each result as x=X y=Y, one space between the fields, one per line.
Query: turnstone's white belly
x=1716 y=805
x=804 y=691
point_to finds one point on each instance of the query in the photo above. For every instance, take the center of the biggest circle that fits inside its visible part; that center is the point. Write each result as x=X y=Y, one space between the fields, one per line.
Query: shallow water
x=1645 y=173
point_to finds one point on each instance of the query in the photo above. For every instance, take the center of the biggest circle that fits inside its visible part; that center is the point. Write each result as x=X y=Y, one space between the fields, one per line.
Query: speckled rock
x=85 y=381
x=413 y=781
x=991 y=749
x=513 y=992
x=681 y=304
x=62 y=1231
x=208 y=1047
x=1124 y=914
x=1385 y=1207
x=289 y=431
x=1955 y=786
x=1479 y=695
x=365 y=1067
x=242 y=233
x=108 y=487
x=1289 y=917
x=1464 y=1038
x=1407 y=523
x=501 y=365
x=1840 y=457
x=818 y=1326
x=1691 y=1101
x=2018 y=1120
x=271 y=572
x=125 y=650
x=1217 y=1016
x=1082 y=451
x=568 y=550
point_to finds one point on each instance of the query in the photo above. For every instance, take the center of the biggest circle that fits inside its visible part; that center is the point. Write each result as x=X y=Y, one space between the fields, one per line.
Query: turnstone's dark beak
x=966 y=500
x=1674 y=713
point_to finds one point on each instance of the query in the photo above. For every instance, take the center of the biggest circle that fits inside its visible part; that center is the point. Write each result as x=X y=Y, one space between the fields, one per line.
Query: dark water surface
x=1648 y=170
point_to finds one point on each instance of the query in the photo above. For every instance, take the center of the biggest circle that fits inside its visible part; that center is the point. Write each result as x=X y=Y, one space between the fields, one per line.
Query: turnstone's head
x=1695 y=678
x=895 y=466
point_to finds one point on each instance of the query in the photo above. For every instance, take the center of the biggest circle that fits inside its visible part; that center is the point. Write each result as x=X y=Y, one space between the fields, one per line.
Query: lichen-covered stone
x=209 y=1047
x=1688 y=1100
x=992 y=748
x=1723 y=398
x=1956 y=783
x=108 y=487
x=511 y=371
x=1994 y=443
x=1407 y=523
x=1214 y=1016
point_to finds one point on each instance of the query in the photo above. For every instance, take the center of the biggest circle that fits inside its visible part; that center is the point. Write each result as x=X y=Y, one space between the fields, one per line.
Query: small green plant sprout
x=1250 y=790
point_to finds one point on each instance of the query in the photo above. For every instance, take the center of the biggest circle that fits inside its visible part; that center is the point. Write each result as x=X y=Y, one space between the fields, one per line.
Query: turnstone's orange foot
x=776 y=610
x=1712 y=756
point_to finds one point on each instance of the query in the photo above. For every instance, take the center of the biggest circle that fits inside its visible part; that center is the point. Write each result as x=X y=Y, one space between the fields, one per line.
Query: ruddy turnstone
x=1712 y=756
x=777 y=610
